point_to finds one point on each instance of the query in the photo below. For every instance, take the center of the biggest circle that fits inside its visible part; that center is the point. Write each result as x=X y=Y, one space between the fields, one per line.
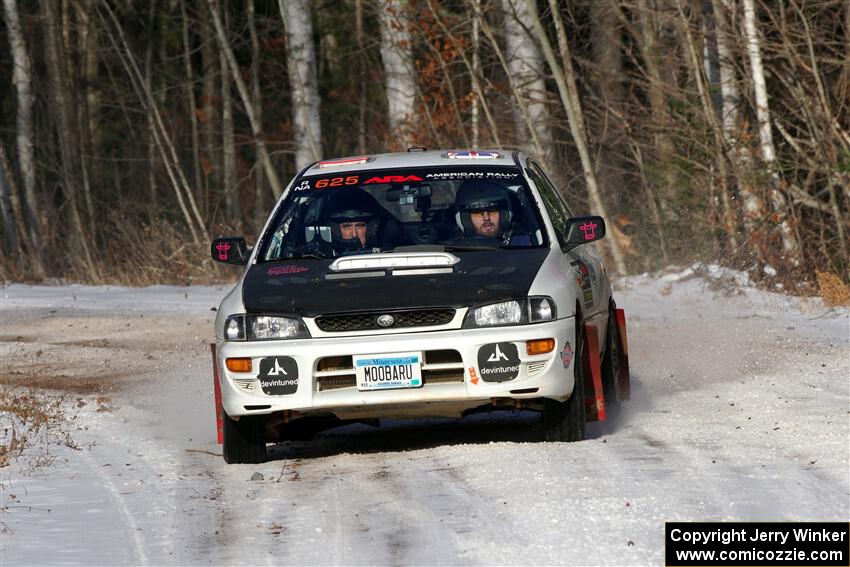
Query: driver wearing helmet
x=356 y=222
x=484 y=210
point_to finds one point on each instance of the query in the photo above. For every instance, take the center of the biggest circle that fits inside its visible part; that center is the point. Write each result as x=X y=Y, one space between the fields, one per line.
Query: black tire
x=611 y=367
x=565 y=421
x=245 y=440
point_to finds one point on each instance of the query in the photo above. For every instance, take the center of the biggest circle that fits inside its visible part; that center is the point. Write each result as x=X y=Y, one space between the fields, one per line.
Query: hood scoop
x=410 y=262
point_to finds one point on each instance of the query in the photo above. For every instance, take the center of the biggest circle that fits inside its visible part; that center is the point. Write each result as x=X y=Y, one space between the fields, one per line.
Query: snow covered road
x=739 y=412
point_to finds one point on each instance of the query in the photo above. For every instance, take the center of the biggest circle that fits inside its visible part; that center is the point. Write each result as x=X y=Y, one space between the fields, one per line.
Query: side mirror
x=229 y=251
x=581 y=230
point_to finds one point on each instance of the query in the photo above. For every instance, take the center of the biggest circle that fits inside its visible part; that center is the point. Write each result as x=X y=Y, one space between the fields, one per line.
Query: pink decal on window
x=589 y=229
x=222 y=248
x=283 y=270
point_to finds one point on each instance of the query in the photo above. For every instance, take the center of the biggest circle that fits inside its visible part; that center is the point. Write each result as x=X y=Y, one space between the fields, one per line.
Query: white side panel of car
x=230 y=305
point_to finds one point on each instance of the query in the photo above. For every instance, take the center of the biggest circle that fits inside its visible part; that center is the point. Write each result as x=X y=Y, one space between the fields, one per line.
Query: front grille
x=369 y=321
x=442 y=376
x=440 y=367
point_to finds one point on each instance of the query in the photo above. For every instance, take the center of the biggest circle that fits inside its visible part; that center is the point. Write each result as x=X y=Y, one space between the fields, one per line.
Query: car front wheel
x=564 y=421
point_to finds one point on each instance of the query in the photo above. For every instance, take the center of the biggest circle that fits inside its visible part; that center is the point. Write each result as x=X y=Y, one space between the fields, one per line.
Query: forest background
x=134 y=131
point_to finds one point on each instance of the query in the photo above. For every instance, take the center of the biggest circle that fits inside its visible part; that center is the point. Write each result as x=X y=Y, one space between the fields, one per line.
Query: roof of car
x=416 y=158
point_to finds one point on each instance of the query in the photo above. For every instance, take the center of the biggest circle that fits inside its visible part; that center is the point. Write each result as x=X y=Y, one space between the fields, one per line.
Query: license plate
x=386 y=371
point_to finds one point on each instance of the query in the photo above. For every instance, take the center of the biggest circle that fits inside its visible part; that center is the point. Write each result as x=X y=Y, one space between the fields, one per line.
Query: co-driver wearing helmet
x=484 y=210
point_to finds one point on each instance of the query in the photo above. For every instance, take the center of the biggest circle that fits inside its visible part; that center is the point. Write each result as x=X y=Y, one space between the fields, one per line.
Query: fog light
x=238 y=364
x=539 y=346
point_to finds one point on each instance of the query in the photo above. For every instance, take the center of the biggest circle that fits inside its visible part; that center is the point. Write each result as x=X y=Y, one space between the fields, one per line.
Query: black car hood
x=301 y=287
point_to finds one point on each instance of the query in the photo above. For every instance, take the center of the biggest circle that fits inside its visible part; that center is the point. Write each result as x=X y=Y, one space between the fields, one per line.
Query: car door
x=585 y=260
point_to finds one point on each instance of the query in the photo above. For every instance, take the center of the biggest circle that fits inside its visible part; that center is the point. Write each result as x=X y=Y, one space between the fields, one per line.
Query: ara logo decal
x=278 y=375
x=473 y=376
x=498 y=362
x=304 y=186
x=392 y=179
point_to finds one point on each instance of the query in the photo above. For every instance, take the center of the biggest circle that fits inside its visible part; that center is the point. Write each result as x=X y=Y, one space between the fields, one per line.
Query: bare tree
x=301 y=65
x=256 y=126
x=7 y=193
x=209 y=112
x=257 y=103
x=61 y=93
x=228 y=142
x=565 y=78
x=789 y=242
x=22 y=78
x=399 y=72
x=526 y=73
x=191 y=104
x=162 y=139
x=739 y=154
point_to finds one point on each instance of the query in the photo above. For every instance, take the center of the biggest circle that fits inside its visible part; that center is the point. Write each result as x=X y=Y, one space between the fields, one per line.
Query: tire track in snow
x=121 y=505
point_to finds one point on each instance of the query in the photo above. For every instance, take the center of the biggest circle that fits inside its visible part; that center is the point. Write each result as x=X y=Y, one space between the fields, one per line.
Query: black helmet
x=353 y=205
x=480 y=195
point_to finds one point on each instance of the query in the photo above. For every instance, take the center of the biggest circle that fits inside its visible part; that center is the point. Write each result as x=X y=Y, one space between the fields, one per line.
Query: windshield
x=339 y=214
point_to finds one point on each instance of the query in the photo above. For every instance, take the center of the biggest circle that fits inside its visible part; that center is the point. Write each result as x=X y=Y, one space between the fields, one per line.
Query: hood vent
x=411 y=260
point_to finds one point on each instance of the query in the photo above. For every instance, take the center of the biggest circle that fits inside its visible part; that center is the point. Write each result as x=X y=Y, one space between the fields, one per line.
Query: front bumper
x=547 y=375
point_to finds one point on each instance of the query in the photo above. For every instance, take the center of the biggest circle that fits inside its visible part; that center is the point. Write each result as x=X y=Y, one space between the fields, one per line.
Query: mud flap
x=594 y=398
x=219 y=411
x=624 y=378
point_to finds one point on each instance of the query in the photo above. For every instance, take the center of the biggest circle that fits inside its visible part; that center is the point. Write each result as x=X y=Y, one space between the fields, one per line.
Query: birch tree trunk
x=399 y=72
x=607 y=129
x=526 y=72
x=476 y=69
x=789 y=243
x=566 y=81
x=22 y=77
x=361 y=73
x=739 y=154
x=301 y=65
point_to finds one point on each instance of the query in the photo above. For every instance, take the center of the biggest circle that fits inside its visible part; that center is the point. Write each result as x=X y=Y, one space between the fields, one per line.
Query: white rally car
x=416 y=284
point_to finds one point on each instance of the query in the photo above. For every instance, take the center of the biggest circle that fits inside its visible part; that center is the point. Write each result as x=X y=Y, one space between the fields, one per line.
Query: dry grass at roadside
x=31 y=423
x=833 y=291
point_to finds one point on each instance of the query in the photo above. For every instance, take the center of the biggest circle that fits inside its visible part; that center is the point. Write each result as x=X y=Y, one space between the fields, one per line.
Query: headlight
x=505 y=313
x=516 y=312
x=263 y=327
